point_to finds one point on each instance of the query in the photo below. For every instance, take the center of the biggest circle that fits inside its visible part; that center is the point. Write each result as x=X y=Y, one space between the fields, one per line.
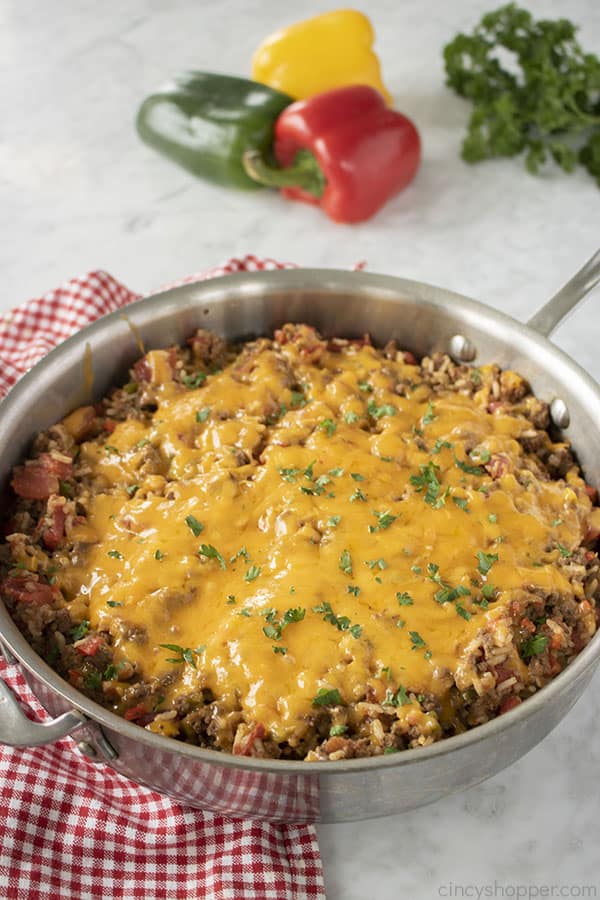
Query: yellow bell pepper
x=329 y=51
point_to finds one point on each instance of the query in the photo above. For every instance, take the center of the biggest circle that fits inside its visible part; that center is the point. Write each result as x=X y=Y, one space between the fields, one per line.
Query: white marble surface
x=78 y=191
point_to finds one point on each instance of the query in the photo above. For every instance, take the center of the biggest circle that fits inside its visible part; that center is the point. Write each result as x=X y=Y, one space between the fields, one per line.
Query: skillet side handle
x=568 y=298
x=17 y=730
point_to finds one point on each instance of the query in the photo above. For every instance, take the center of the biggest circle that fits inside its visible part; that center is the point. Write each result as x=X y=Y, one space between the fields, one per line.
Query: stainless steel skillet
x=422 y=318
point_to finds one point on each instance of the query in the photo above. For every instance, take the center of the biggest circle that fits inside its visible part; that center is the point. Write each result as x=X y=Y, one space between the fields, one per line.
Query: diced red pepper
x=508 y=704
x=89 y=646
x=142 y=370
x=25 y=589
x=40 y=478
x=246 y=746
x=344 y=150
x=109 y=425
x=135 y=712
x=591 y=492
x=54 y=533
x=498 y=465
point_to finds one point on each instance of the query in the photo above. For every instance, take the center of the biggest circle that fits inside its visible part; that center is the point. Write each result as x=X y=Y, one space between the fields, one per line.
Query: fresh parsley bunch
x=533 y=90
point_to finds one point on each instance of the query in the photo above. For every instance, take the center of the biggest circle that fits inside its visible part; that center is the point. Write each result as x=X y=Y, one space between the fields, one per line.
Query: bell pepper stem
x=304 y=173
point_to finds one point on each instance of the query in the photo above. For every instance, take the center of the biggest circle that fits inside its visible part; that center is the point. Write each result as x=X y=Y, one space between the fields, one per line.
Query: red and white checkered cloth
x=71 y=829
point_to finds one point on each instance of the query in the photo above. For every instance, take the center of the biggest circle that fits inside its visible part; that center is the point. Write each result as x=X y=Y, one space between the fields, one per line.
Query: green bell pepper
x=206 y=122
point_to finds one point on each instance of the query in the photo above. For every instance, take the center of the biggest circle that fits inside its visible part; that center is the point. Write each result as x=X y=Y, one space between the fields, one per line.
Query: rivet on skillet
x=462 y=349
x=87 y=749
x=559 y=413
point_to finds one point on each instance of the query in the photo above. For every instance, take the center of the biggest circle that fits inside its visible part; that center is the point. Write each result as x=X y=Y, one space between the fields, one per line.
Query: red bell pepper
x=344 y=150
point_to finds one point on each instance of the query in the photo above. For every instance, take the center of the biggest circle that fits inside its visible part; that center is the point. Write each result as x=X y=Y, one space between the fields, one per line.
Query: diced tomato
x=75 y=677
x=246 y=746
x=142 y=370
x=528 y=625
x=25 y=589
x=498 y=465
x=89 y=646
x=494 y=406
x=501 y=674
x=409 y=358
x=135 y=712
x=109 y=425
x=40 y=478
x=508 y=704
x=54 y=533
x=591 y=492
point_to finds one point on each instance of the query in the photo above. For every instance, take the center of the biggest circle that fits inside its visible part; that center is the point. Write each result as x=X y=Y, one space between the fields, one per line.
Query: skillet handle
x=568 y=298
x=17 y=730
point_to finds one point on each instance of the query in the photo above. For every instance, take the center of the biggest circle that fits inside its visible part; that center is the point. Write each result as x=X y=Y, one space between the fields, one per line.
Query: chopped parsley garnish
x=183 y=654
x=195 y=380
x=357 y=476
x=308 y=472
x=346 y=562
x=333 y=521
x=384 y=520
x=141 y=444
x=486 y=561
x=416 y=569
x=336 y=730
x=281 y=650
x=342 y=623
x=461 y=502
x=132 y=489
x=534 y=646
x=488 y=591
x=110 y=449
x=159 y=555
x=404 y=599
x=379 y=563
x=365 y=387
x=337 y=472
x=482 y=455
x=242 y=552
x=93 y=680
x=429 y=415
x=328 y=426
x=230 y=599
x=353 y=589
x=465 y=467
x=327 y=697
x=244 y=612
x=556 y=523
x=416 y=640
x=460 y=609
x=80 y=630
x=318 y=487
x=440 y=444
x=397 y=698
x=194 y=525
x=289 y=474
x=66 y=489
x=377 y=412
x=446 y=593
x=203 y=414
x=429 y=482
x=297 y=399
x=493 y=518
x=351 y=417
x=252 y=573
x=358 y=495
x=275 y=627
x=564 y=551
x=475 y=376
x=212 y=553
x=115 y=554
x=113 y=603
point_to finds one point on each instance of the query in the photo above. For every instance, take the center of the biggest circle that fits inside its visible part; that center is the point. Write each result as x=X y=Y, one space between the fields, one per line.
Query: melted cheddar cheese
x=292 y=526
